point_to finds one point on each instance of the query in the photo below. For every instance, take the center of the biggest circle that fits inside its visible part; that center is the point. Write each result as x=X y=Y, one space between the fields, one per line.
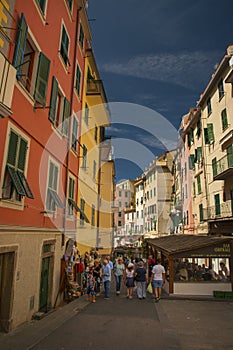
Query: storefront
x=195 y=265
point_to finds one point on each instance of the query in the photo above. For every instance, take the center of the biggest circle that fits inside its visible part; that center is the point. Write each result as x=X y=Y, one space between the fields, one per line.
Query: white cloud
x=184 y=69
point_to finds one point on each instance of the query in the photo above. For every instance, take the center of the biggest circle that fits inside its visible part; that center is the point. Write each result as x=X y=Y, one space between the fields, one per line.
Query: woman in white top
x=129 y=280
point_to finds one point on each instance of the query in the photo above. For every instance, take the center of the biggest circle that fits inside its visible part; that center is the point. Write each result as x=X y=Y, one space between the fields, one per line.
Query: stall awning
x=193 y=245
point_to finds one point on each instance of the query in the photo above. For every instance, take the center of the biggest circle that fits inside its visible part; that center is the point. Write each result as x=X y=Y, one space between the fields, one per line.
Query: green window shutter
x=206 y=136
x=51 y=171
x=217 y=204
x=199 y=184
x=16 y=181
x=209 y=107
x=230 y=156
x=66 y=115
x=214 y=167
x=64 y=46
x=42 y=79
x=210 y=129
x=74 y=133
x=224 y=119
x=42 y=4
x=53 y=100
x=81 y=35
x=25 y=184
x=201 y=216
x=78 y=79
x=194 y=189
x=22 y=154
x=20 y=45
x=12 y=150
x=199 y=154
x=191 y=161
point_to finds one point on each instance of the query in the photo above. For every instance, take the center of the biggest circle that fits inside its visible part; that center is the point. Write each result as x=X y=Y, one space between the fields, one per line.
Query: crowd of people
x=135 y=274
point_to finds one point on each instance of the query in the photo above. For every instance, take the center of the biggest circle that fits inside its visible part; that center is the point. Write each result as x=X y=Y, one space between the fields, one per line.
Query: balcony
x=224 y=210
x=7 y=84
x=94 y=87
x=224 y=168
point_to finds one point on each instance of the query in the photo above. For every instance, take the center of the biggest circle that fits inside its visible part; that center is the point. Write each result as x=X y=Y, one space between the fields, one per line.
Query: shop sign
x=216 y=251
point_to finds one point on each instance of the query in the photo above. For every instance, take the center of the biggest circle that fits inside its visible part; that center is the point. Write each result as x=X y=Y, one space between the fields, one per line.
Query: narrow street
x=120 y=323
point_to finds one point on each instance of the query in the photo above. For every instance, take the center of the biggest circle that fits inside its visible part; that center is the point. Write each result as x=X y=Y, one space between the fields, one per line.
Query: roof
x=181 y=243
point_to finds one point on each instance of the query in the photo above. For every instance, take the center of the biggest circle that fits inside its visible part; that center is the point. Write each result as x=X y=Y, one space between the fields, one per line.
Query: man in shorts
x=158 y=279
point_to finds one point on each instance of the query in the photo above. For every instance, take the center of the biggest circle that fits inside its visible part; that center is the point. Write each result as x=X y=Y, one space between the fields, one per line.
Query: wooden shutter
x=217 y=204
x=65 y=119
x=22 y=154
x=201 y=212
x=210 y=129
x=224 y=119
x=74 y=133
x=12 y=150
x=199 y=184
x=53 y=100
x=78 y=79
x=42 y=79
x=206 y=136
x=20 y=45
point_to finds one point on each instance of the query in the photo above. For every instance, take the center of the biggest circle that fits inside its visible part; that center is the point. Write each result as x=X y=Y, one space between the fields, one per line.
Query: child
x=91 y=287
x=129 y=279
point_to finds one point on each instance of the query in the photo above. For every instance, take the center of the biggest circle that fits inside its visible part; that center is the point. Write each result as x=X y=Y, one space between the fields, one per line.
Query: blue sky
x=159 y=54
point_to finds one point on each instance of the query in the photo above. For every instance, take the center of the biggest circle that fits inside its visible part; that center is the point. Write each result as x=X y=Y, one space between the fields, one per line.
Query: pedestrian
x=109 y=262
x=141 y=280
x=96 y=275
x=151 y=263
x=90 y=287
x=129 y=279
x=119 y=268
x=158 y=279
x=106 y=277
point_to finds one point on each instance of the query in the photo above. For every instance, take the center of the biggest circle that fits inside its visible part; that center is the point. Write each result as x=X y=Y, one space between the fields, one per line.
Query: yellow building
x=95 y=116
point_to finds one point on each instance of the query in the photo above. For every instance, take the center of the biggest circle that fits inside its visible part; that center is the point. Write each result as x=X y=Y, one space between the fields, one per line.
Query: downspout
x=70 y=124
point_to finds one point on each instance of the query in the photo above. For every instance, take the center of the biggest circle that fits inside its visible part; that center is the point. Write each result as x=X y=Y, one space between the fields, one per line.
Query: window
x=42 y=4
x=96 y=133
x=71 y=195
x=119 y=223
x=217 y=204
x=93 y=215
x=119 y=204
x=94 y=169
x=59 y=110
x=199 y=184
x=194 y=189
x=84 y=163
x=32 y=66
x=201 y=214
x=74 y=134
x=210 y=129
x=230 y=156
x=190 y=137
x=78 y=80
x=119 y=214
x=198 y=155
x=191 y=161
x=220 y=89
x=214 y=167
x=209 y=107
x=224 y=119
x=126 y=194
x=15 y=185
x=86 y=115
x=64 y=46
x=81 y=36
x=198 y=128
x=70 y=4
x=52 y=200
x=119 y=193
x=82 y=207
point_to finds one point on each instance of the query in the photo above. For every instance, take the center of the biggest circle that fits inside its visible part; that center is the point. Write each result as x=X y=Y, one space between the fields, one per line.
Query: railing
x=223 y=165
x=7 y=84
x=224 y=210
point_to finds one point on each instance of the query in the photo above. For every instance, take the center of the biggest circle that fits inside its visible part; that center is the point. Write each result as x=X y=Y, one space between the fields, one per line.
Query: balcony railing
x=7 y=84
x=224 y=167
x=224 y=210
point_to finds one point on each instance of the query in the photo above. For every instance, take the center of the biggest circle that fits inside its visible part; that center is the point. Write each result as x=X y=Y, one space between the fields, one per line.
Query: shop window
x=32 y=66
x=15 y=184
x=52 y=198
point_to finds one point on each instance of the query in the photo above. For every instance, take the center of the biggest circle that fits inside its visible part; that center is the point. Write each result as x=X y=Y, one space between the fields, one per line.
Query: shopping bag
x=149 y=288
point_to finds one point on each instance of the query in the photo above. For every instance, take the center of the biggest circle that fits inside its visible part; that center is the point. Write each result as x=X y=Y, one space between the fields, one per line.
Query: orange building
x=43 y=48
